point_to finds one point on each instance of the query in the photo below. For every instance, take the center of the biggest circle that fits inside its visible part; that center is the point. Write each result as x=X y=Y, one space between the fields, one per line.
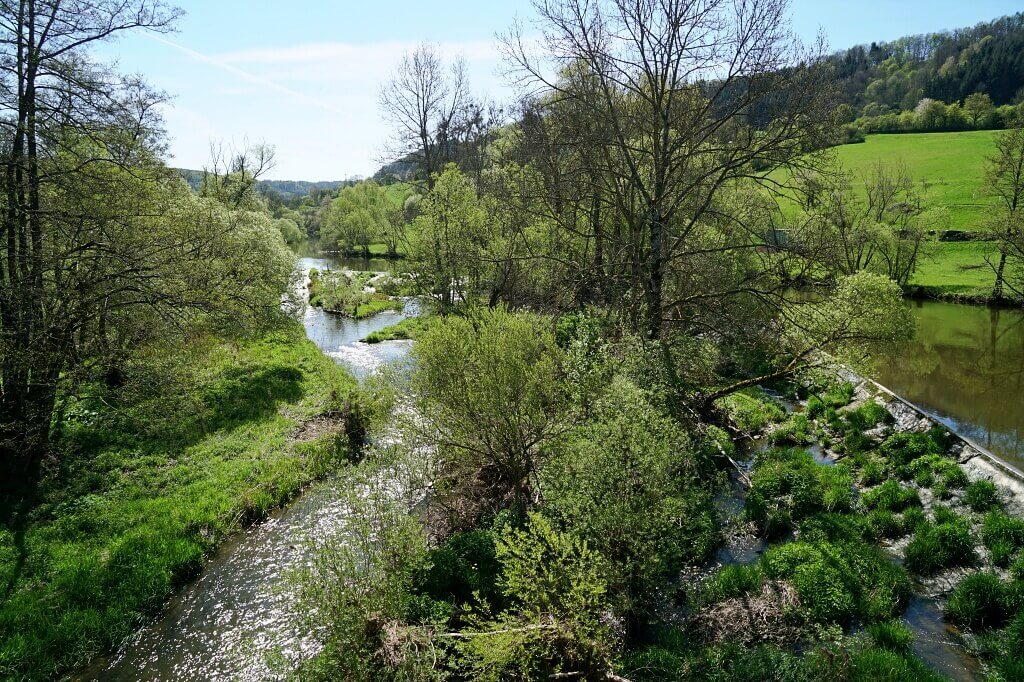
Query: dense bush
x=891 y=496
x=752 y=410
x=788 y=485
x=628 y=483
x=939 y=546
x=903 y=448
x=1004 y=536
x=840 y=581
x=489 y=391
x=982 y=496
x=558 y=615
x=979 y=601
x=464 y=565
x=891 y=635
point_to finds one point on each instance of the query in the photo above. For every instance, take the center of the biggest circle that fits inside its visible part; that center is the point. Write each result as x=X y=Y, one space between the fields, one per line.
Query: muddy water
x=966 y=368
x=224 y=625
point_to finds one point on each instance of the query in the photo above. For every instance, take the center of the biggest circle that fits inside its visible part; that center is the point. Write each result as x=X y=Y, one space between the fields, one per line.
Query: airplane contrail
x=241 y=73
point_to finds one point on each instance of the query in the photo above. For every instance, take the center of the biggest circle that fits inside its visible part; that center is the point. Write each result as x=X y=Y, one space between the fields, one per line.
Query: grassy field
x=950 y=166
x=146 y=489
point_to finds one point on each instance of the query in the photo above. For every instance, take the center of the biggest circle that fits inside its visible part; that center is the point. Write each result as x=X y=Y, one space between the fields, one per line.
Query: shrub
x=549 y=577
x=734 y=581
x=979 y=601
x=914 y=518
x=834 y=528
x=886 y=524
x=867 y=416
x=1004 y=536
x=891 y=496
x=872 y=472
x=626 y=484
x=796 y=430
x=1014 y=637
x=903 y=448
x=751 y=411
x=484 y=386
x=891 y=635
x=839 y=581
x=465 y=564
x=872 y=665
x=935 y=547
x=788 y=485
x=982 y=496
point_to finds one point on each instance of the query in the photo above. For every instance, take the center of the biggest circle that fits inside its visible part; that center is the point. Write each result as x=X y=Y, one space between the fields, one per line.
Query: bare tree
x=423 y=100
x=693 y=95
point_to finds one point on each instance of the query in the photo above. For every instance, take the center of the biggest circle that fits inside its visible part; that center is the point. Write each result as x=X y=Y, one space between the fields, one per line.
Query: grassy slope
x=952 y=165
x=129 y=517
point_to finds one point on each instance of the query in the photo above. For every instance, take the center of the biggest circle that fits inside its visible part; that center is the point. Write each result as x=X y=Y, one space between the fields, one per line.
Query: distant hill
x=950 y=65
x=287 y=189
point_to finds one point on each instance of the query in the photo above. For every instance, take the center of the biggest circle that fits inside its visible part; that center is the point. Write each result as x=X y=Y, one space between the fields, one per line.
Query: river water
x=966 y=368
x=222 y=626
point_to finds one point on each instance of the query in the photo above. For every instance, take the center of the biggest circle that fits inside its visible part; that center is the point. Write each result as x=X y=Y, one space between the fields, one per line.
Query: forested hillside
x=949 y=66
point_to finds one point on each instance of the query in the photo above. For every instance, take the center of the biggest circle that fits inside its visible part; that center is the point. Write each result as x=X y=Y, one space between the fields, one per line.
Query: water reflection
x=966 y=367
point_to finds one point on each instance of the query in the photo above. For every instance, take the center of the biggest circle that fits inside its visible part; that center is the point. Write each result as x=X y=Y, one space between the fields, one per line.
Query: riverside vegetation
x=620 y=272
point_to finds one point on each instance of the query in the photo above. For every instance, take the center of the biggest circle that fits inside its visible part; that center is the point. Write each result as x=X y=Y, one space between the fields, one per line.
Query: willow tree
x=690 y=96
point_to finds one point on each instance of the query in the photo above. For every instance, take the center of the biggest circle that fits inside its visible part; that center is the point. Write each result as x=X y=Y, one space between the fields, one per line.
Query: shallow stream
x=222 y=625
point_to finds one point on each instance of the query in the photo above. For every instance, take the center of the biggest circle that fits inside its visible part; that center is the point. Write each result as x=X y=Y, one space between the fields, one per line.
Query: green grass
x=409 y=328
x=956 y=269
x=145 y=492
x=951 y=164
x=376 y=304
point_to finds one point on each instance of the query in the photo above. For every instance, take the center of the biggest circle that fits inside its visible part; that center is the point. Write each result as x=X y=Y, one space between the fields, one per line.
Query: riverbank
x=855 y=466
x=147 y=489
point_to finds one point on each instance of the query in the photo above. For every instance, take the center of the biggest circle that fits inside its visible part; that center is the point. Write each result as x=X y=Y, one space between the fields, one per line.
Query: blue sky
x=303 y=75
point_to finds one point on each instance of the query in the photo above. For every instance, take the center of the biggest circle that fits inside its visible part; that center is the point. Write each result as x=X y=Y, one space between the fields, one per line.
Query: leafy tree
x=448 y=240
x=628 y=483
x=487 y=388
x=361 y=215
x=1005 y=179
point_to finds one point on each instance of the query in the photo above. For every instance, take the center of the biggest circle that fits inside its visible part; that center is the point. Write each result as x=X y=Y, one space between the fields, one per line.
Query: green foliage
x=867 y=416
x=979 y=601
x=903 y=448
x=448 y=238
x=885 y=524
x=154 y=476
x=795 y=431
x=627 y=483
x=488 y=389
x=361 y=215
x=787 y=486
x=982 y=496
x=1004 y=536
x=840 y=581
x=939 y=546
x=409 y=328
x=465 y=565
x=891 y=496
x=891 y=635
x=751 y=411
x=356 y=594
x=555 y=584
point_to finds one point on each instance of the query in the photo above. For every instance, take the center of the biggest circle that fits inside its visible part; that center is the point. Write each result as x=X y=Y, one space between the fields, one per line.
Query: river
x=965 y=367
x=223 y=625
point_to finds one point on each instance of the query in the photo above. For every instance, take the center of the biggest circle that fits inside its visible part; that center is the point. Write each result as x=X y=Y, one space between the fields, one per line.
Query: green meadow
x=949 y=169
